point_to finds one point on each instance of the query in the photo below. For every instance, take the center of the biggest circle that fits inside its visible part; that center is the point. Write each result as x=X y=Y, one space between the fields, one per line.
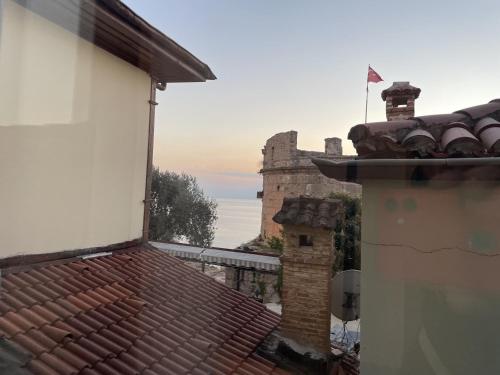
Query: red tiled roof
x=470 y=132
x=138 y=311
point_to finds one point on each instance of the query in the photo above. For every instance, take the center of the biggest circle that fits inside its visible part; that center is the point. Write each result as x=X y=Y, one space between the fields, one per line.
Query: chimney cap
x=310 y=212
x=401 y=88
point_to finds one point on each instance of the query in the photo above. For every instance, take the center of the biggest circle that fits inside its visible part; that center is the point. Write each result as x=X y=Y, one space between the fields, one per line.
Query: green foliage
x=180 y=210
x=278 y=287
x=262 y=288
x=347 y=234
x=276 y=243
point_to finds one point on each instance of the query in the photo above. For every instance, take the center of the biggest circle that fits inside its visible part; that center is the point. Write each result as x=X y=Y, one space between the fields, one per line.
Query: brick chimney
x=307 y=260
x=333 y=146
x=400 y=101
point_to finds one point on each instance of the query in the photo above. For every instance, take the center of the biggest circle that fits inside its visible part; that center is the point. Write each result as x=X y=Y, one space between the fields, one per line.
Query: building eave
x=112 y=26
x=459 y=169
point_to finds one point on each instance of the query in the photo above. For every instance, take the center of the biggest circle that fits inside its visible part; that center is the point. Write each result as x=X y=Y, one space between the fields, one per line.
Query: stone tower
x=307 y=260
x=400 y=100
x=333 y=146
x=289 y=172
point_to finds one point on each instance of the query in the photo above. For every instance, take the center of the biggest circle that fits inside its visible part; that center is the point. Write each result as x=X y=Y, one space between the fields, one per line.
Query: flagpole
x=366 y=104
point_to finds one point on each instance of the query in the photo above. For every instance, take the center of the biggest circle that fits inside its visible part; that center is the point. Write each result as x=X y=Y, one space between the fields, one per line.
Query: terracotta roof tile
x=38 y=276
x=121 y=342
x=44 y=313
x=173 y=366
x=88 y=371
x=83 y=353
x=135 y=312
x=57 y=288
x=211 y=369
x=56 y=334
x=106 y=369
x=5 y=307
x=144 y=357
x=15 y=280
x=18 y=320
x=31 y=315
x=158 y=368
x=470 y=132
x=132 y=362
x=127 y=330
x=42 y=339
x=482 y=110
x=36 y=294
x=38 y=367
x=21 y=296
x=30 y=344
x=105 y=342
x=58 y=364
x=67 y=305
x=8 y=285
x=95 y=348
x=77 y=362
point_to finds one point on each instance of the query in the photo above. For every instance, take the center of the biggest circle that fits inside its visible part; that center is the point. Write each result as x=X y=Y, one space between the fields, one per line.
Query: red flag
x=373 y=76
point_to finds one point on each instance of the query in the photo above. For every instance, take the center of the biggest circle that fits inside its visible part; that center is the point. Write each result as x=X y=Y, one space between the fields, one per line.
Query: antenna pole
x=366 y=104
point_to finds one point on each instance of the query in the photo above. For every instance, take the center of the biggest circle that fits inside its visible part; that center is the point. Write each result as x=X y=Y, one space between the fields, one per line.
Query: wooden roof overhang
x=114 y=27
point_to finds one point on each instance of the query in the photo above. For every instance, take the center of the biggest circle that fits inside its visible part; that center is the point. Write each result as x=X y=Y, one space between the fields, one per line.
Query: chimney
x=333 y=146
x=400 y=101
x=307 y=260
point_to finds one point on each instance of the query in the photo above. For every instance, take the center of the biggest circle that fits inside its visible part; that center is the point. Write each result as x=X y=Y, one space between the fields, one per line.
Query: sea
x=238 y=221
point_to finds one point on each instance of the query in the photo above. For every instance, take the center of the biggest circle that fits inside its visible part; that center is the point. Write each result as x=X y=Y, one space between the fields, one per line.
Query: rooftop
x=469 y=132
x=135 y=311
x=457 y=146
x=116 y=28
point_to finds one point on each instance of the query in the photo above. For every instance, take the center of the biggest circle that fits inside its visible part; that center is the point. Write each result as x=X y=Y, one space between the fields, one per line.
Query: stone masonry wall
x=306 y=288
x=289 y=172
x=260 y=285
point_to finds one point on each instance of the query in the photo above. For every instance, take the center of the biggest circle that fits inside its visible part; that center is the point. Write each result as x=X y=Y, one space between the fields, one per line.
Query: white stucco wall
x=430 y=298
x=73 y=139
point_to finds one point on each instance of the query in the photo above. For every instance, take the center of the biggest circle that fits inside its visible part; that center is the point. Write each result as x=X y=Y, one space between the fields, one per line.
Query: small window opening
x=278 y=188
x=305 y=240
x=272 y=152
x=400 y=102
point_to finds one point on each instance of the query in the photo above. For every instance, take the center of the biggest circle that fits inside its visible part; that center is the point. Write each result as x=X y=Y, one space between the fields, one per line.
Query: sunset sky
x=301 y=65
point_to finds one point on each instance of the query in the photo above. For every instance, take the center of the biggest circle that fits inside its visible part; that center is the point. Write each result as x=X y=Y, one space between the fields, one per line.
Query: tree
x=180 y=210
x=347 y=234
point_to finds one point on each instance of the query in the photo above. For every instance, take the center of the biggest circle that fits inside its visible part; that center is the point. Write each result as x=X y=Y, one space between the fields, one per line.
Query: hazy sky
x=301 y=65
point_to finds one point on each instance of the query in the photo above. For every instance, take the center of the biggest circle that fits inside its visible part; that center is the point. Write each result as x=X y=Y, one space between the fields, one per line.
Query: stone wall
x=307 y=271
x=289 y=172
x=259 y=285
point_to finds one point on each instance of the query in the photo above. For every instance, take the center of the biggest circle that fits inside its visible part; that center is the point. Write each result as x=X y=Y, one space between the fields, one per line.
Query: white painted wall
x=73 y=139
x=430 y=291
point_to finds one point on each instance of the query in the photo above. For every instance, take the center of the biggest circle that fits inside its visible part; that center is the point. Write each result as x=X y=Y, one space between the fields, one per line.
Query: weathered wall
x=430 y=280
x=254 y=284
x=289 y=172
x=307 y=272
x=73 y=139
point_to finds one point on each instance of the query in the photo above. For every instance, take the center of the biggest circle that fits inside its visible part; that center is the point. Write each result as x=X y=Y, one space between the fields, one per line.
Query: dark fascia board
x=115 y=28
x=459 y=169
x=27 y=261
